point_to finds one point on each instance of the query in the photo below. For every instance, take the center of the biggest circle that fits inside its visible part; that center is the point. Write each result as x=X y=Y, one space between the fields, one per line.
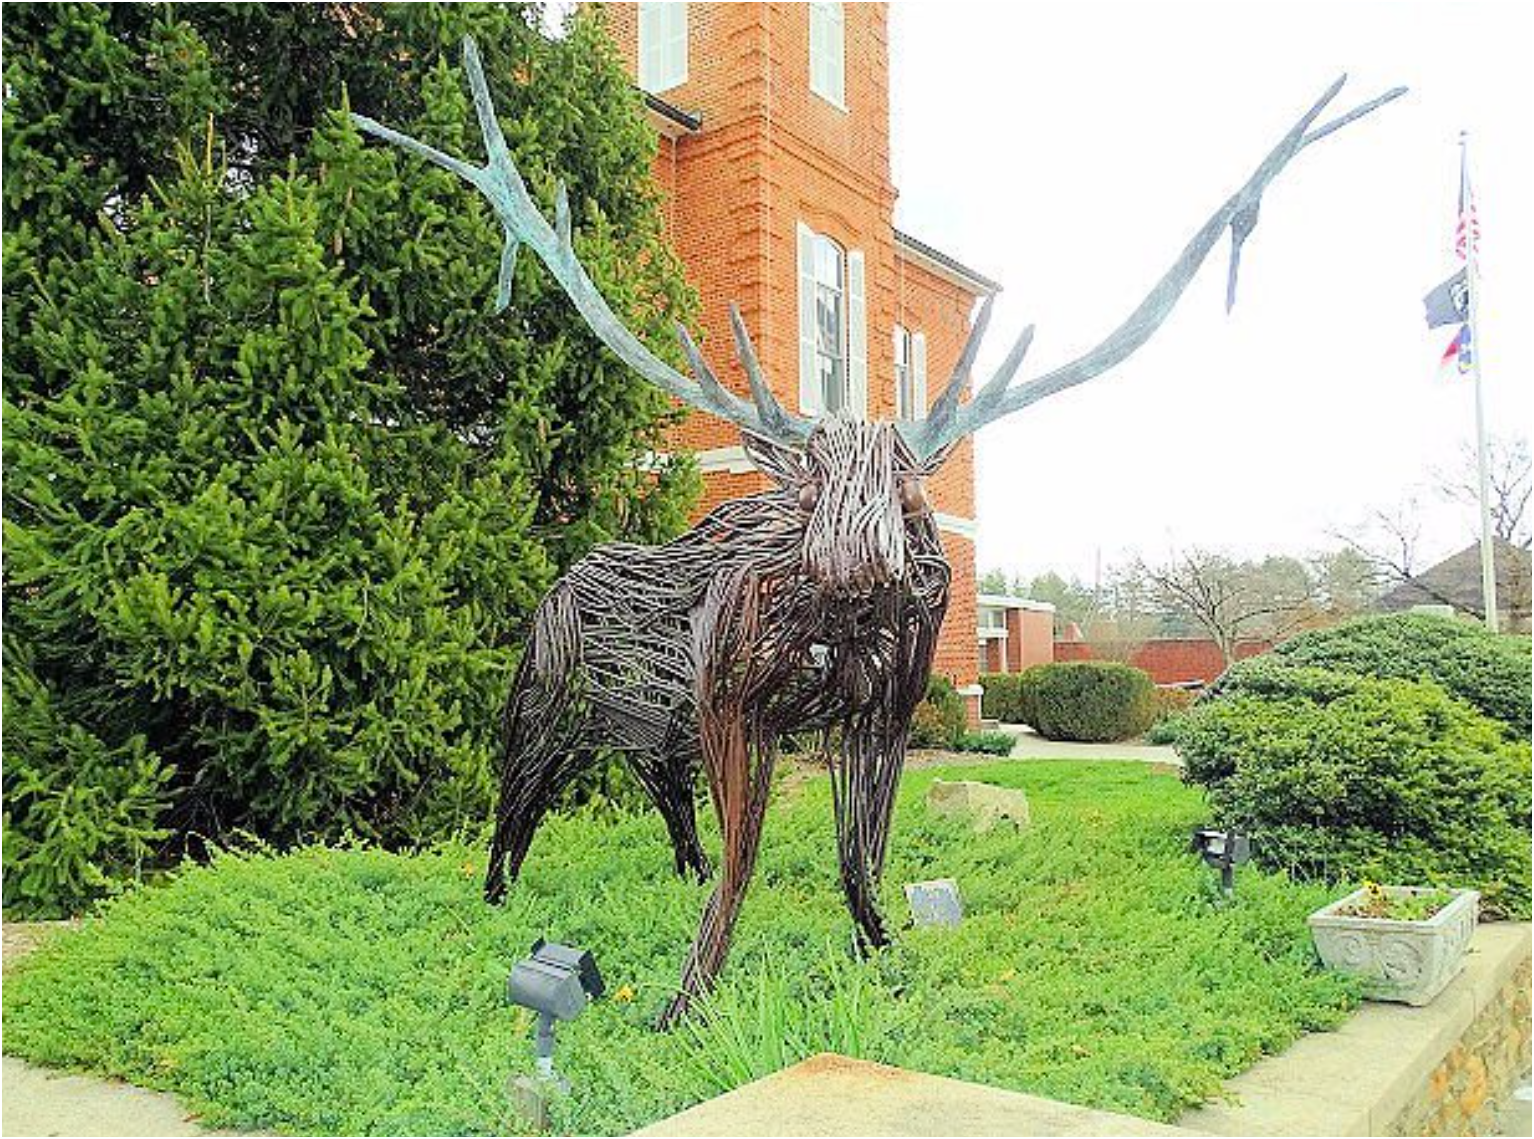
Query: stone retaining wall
x=1462 y=1093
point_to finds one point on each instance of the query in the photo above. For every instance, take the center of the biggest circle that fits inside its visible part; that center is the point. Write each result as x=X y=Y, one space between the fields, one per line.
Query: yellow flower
x=468 y=869
x=624 y=994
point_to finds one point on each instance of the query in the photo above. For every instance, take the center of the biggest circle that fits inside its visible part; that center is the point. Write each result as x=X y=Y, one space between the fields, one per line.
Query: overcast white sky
x=1070 y=149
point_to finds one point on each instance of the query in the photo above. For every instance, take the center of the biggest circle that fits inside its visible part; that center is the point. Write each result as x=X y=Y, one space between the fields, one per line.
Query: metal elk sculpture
x=811 y=608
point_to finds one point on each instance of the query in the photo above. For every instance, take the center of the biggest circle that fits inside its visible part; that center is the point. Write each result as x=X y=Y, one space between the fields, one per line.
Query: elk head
x=856 y=487
x=858 y=518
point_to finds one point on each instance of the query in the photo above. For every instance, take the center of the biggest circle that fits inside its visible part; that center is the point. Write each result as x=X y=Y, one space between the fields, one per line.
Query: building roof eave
x=940 y=263
x=669 y=119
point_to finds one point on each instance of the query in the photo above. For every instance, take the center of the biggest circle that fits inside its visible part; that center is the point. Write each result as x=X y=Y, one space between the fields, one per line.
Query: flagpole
x=1473 y=288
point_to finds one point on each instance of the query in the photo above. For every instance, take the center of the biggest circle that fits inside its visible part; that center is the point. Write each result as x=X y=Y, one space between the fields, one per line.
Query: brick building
x=774 y=162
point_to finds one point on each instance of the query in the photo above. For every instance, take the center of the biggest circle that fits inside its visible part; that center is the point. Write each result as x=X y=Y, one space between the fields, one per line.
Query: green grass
x=359 y=992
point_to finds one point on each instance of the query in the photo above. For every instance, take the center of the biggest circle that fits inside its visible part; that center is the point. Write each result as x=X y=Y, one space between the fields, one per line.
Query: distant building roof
x=1001 y=601
x=944 y=266
x=1456 y=581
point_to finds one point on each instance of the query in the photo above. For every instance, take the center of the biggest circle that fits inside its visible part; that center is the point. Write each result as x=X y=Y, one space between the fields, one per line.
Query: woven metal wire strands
x=813 y=608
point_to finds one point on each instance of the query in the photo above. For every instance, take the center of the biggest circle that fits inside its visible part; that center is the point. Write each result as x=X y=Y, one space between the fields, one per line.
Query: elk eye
x=809 y=495
x=913 y=496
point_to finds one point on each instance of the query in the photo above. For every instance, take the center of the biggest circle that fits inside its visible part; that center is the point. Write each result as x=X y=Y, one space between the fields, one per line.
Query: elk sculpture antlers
x=811 y=608
x=950 y=418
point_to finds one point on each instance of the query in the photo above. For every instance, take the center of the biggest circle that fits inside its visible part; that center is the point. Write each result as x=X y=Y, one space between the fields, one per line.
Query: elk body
x=814 y=607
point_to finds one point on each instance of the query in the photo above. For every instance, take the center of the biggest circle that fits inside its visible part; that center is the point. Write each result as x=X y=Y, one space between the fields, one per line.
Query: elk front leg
x=742 y=801
x=864 y=778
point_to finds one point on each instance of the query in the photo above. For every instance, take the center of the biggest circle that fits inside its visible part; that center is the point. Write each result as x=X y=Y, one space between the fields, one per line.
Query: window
x=910 y=374
x=905 y=395
x=833 y=333
x=830 y=323
x=662 y=46
x=828 y=53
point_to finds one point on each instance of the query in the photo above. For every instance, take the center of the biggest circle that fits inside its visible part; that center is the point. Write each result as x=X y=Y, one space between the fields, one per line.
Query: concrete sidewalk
x=37 y=1101
x=1031 y=745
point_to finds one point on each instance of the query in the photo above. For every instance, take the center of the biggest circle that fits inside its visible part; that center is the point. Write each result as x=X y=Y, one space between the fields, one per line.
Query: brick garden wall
x=1171 y=660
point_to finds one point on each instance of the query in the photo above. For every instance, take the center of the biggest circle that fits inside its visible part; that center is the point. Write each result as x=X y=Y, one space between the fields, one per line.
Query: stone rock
x=936 y=902
x=985 y=804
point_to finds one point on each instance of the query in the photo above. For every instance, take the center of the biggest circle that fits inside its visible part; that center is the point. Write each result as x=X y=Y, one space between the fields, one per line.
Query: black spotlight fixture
x=1224 y=850
x=557 y=982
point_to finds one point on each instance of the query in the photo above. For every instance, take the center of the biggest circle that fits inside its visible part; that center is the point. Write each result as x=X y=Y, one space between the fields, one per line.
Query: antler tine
x=948 y=403
x=502 y=185
x=767 y=405
x=713 y=390
x=1238 y=213
x=997 y=385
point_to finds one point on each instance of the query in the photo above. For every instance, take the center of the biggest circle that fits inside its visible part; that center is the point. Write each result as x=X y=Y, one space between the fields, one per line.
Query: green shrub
x=986 y=743
x=1003 y=699
x=1171 y=704
x=1345 y=777
x=279 y=489
x=941 y=718
x=1491 y=672
x=82 y=815
x=1088 y=701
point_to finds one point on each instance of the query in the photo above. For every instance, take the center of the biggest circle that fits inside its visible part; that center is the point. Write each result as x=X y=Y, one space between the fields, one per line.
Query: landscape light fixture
x=557 y=982
x=1224 y=851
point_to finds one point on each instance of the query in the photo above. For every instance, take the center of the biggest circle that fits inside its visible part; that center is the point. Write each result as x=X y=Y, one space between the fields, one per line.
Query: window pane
x=828 y=262
x=828 y=321
x=832 y=384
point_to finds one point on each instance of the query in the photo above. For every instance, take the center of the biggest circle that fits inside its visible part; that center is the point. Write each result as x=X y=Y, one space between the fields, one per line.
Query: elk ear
x=783 y=463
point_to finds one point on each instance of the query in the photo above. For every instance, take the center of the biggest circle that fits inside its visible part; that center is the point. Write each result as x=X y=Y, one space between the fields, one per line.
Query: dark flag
x=1449 y=303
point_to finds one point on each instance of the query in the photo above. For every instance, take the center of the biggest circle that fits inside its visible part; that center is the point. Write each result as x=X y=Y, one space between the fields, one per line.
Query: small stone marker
x=936 y=902
x=984 y=803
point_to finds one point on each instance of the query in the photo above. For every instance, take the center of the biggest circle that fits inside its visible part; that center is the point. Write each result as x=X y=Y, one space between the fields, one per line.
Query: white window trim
x=854 y=326
x=662 y=65
x=822 y=17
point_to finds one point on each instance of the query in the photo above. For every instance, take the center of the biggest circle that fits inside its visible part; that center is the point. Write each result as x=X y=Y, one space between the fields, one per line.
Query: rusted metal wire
x=813 y=608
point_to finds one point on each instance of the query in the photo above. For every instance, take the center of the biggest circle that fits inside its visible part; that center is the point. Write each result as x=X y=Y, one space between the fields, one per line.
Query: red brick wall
x=1171 y=660
x=1030 y=639
x=771 y=154
x=993 y=655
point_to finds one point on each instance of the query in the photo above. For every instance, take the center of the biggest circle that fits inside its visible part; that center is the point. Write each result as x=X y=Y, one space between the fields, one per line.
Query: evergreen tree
x=280 y=488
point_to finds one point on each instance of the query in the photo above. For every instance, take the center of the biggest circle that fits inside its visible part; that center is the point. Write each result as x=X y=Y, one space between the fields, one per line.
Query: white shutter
x=919 y=375
x=651 y=38
x=810 y=402
x=662 y=46
x=676 y=45
x=836 y=54
x=857 y=336
x=817 y=48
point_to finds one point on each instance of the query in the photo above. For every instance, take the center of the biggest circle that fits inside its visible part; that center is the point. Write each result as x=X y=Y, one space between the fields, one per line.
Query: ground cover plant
x=358 y=991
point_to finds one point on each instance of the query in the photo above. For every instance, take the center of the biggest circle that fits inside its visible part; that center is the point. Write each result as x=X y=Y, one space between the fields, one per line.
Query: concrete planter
x=1405 y=961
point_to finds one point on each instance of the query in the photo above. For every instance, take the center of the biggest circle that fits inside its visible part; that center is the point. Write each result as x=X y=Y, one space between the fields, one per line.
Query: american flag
x=1467 y=231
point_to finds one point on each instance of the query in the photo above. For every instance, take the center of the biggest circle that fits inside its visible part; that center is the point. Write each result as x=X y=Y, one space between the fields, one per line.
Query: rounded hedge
x=1003 y=698
x=1088 y=701
x=1490 y=671
x=1344 y=777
